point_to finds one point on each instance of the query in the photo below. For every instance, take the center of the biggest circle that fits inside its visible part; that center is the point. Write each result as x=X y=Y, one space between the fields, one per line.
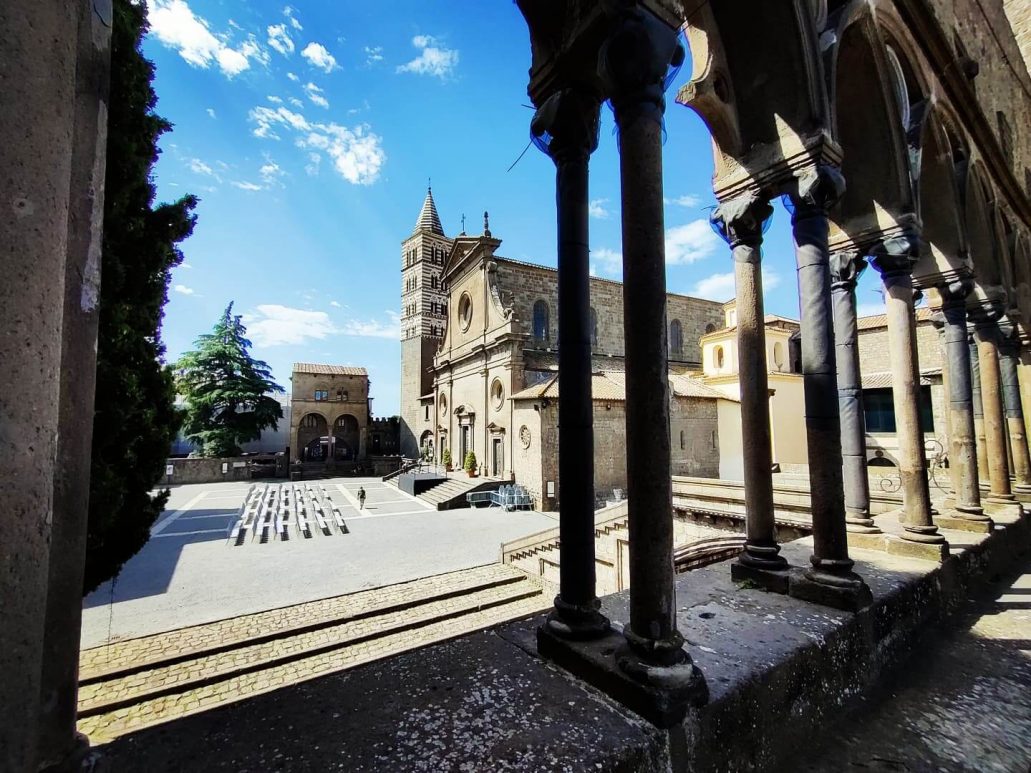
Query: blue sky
x=309 y=133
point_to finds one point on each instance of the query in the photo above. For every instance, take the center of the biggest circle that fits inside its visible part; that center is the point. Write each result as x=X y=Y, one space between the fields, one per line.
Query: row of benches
x=267 y=509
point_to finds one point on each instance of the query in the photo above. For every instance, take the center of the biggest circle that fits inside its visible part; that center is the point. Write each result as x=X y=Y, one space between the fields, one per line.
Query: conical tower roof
x=429 y=220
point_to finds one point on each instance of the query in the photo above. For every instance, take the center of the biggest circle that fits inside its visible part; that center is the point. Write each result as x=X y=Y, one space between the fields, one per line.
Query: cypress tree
x=226 y=390
x=135 y=420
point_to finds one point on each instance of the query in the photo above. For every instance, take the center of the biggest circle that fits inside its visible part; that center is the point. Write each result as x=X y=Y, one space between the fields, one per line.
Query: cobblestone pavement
x=188 y=574
x=138 y=683
x=964 y=704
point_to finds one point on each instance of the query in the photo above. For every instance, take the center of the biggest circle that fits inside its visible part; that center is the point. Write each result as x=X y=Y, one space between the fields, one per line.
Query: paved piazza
x=190 y=573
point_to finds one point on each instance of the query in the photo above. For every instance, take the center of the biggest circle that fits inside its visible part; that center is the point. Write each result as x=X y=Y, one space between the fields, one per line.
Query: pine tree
x=135 y=420
x=226 y=390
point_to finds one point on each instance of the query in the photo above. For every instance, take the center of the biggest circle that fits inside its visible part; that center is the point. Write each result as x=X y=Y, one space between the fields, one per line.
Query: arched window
x=778 y=355
x=541 y=321
x=676 y=338
x=594 y=328
x=710 y=328
x=717 y=357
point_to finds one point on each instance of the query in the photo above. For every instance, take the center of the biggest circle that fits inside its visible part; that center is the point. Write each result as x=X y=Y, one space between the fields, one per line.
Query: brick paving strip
x=374 y=625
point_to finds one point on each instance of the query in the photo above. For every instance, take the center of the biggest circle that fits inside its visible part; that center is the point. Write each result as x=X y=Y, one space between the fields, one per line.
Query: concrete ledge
x=776 y=667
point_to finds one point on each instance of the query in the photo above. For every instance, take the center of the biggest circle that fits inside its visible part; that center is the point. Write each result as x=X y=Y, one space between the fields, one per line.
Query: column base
x=661 y=694
x=769 y=579
x=866 y=540
x=576 y=622
x=73 y=761
x=927 y=551
x=998 y=506
x=860 y=522
x=925 y=535
x=957 y=520
x=1022 y=488
x=847 y=592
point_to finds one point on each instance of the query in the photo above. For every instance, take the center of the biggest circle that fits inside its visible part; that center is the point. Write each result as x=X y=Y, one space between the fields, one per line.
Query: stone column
x=740 y=221
x=570 y=118
x=981 y=444
x=38 y=61
x=960 y=405
x=634 y=61
x=1000 y=499
x=938 y=320
x=59 y=744
x=1024 y=374
x=846 y=268
x=894 y=259
x=830 y=579
x=1009 y=352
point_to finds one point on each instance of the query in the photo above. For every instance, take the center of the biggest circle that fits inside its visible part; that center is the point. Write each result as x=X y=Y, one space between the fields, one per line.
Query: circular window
x=465 y=311
x=524 y=436
x=443 y=404
x=497 y=394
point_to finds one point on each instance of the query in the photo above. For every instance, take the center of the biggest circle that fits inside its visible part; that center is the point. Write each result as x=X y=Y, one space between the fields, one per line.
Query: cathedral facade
x=479 y=357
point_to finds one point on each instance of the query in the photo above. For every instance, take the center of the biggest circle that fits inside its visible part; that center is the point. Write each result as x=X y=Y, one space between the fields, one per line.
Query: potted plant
x=447 y=459
x=470 y=464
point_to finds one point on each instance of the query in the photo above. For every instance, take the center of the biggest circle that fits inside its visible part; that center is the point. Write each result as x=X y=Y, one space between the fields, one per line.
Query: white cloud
x=176 y=26
x=690 y=242
x=186 y=265
x=296 y=103
x=596 y=209
x=270 y=172
x=335 y=305
x=199 y=167
x=318 y=56
x=274 y=99
x=289 y=12
x=246 y=186
x=357 y=152
x=312 y=167
x=275 y=325
x=211 y=112
x=373 y=54
x=720 y=287
x=606 y=262
x=292 y=76
x=689 y=200
x=279 y=39
x=315 y=94
x=183 y=290
x=433 y=59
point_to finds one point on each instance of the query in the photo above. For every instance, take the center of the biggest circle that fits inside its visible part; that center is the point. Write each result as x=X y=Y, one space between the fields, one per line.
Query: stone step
x=109 y=694
x=132 y=655
x=106 y=726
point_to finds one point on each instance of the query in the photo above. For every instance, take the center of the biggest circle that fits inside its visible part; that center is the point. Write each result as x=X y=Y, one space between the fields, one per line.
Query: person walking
x=361 y=498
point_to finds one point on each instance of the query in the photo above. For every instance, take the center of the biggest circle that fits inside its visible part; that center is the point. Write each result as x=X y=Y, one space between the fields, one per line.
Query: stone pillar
x=938 y=320
x=846 y=268
x=740 y=221
x=830 y=579
x=894 y=259
x=38 y=61
x=960 y=405
x=634 y=61
x=981 y=444
x=1000 y=499
x=1009 y=348
x=1024 y=375
x=570 y=118
x=59 y=745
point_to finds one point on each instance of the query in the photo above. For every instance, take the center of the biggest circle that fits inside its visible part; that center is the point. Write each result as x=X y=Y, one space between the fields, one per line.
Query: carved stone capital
x=819 y=188
x=955 y=292
x=740 y=222
x=566 y=125
x=846 y=268
x=894 y=258
x=633 y=63
x=984 y=317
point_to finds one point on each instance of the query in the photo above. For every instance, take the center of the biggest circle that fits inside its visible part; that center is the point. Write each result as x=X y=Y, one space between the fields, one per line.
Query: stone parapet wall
x=185 y=471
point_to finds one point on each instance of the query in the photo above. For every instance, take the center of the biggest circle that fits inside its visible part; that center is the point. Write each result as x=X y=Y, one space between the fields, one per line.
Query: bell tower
x=423 y=317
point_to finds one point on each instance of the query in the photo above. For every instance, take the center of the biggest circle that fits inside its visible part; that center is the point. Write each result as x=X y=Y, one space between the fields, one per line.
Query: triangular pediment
x=467 y=251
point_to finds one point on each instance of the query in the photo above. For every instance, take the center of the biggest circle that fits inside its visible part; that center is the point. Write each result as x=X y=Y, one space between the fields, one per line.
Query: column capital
x=633 y=64
x=894 y=258
x=740 y=222
x=818 y=189
x=955 y=291
x=1009 y=341
x=985 y=316
x=565 y=126
x=846 y=268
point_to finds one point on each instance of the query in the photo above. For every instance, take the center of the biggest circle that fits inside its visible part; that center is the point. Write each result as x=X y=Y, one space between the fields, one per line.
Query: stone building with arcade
x=330 y=414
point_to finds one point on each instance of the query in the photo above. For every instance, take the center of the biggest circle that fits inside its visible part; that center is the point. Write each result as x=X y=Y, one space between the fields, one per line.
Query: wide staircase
x=136 y=683
x=450 y=493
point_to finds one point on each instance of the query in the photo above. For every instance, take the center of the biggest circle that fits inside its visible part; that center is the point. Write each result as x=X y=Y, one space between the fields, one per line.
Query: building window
x=778 y=355
x=676 y=338
x=497 y=394
x=442 y=401
x=879 y=407
x=426 y=413
x=541 y=321
x=717 y=356
x=433 y=282
x=710 y=328
x=594 y=328
x=465 y=311
x=682 y=445
x=321 y=394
